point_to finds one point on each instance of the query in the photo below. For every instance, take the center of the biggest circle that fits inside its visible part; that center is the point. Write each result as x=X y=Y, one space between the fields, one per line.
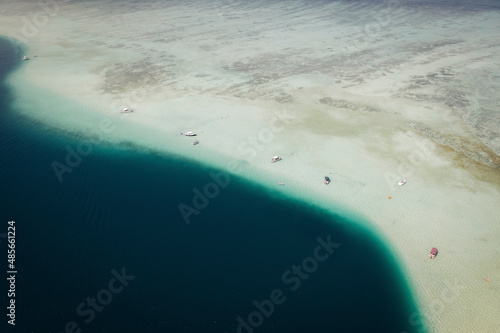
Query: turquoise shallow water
x=107 y=249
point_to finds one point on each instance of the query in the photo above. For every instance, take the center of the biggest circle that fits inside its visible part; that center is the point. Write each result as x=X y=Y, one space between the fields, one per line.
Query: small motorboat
x=190 y=134
x=402 y=182
x=433 y=253
x=275 y=159
x=281 y=184
x=26 y=58
x=195 y=142
x=327 y=180
x=127 y=110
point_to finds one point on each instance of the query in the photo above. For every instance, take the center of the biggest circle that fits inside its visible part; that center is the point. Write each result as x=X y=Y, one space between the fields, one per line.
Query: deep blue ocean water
x=117 y=213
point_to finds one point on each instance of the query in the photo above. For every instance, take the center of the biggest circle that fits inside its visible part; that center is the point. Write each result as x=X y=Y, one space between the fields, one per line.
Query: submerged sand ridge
x=367 y=93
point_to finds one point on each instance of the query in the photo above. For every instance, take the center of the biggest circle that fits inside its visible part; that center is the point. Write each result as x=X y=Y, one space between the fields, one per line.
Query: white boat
x=402 y=182
x=127 y=110
x=195 y=142
x=25 y=58
x=275 y=159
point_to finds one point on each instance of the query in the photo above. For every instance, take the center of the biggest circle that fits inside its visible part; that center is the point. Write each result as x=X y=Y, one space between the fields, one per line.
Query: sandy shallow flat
x=366 y=93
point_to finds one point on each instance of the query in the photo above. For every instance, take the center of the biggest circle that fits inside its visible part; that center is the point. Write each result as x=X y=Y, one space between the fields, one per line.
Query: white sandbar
x=367 y=94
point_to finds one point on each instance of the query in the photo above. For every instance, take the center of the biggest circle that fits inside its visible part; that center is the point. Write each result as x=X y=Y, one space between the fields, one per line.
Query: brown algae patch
x=126 y=77
x=470 y=147
x=343 y=104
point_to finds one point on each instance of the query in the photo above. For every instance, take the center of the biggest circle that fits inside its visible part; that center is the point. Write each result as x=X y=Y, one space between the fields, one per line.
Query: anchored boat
x=433 y=253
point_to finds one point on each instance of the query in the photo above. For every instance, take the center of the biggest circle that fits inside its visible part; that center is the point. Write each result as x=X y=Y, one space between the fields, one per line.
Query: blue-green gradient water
x=117 y=213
